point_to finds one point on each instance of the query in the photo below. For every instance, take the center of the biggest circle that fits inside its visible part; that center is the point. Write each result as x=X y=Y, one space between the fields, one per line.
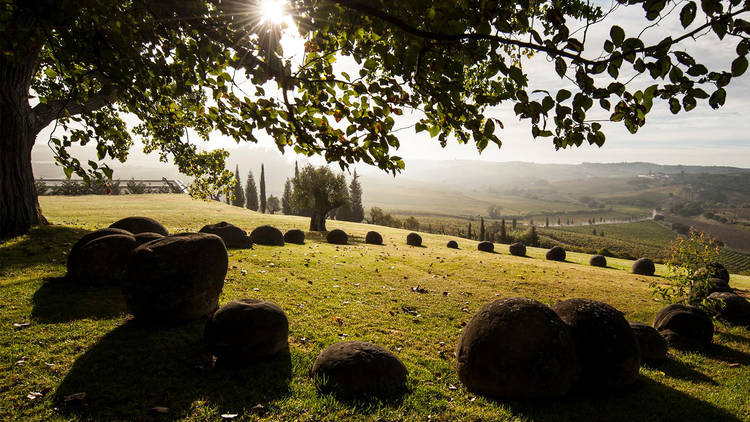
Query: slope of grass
x=81 y=339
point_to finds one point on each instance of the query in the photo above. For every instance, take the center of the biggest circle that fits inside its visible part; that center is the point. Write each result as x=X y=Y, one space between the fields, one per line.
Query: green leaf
x=562 y=95
x=717 y=98
x=617 y=34
x=674 y=105
x=687 y=14
x=560 y=66
x=739 y=66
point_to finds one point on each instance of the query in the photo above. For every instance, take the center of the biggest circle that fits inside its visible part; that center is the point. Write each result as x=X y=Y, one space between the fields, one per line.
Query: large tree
x=319 y=190
x=174 y=65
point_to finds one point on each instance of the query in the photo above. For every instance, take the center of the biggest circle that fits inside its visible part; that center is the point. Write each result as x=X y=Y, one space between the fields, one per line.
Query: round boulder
x=146 y=237
x=556 y=253
x=652 y=345
x=452 y=244
x=684 y=326
x=598 y=261
x=102 y=260
x=644 y=266
x=486 y=246
x=247 y=330
x=413 y=239
x=73 y=255
x=137 y=225
x=374 y=238
x=233 y=236
x=337 y=237
x=517 y=348
x=735 y=309
x=717 y=270
x=605 y=343
x=267 y=235
x=517 y=249
x=718 y=285
x=176 y=279
x=359 y=369
x=295 y=236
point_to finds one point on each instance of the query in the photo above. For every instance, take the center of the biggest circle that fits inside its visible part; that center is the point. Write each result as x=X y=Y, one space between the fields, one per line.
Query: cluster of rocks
x=519 y=348
x=514 y=348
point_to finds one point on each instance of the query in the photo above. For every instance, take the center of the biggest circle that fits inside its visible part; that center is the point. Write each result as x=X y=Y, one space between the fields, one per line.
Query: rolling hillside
x=413 y=301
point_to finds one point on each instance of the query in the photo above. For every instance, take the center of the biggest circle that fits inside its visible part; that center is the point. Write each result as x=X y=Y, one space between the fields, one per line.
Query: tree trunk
x=19 y=206
x=318 y=221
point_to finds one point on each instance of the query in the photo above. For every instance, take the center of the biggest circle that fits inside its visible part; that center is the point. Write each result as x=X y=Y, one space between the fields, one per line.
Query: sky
x=701 y=137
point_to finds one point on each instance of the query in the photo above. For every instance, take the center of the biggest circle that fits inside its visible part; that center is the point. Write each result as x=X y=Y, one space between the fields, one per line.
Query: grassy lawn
x=82 y=340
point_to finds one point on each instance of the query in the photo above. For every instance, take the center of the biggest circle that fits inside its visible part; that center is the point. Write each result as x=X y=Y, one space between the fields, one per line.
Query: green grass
x=82 y=340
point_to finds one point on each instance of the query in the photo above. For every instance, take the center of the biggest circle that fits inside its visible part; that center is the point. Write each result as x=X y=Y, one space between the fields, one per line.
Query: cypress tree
x=355 y=196
x=251 y=193
x=503 y=232
x=262 y=189
x=468 y=235
x=239 y=194
x=296 y=169
x=286 y=198
x=546 y=222
x=481 y=228
x=513 y=224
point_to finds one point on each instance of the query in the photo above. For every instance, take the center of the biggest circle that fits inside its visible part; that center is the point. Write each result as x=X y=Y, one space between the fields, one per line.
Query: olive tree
x=320 y=191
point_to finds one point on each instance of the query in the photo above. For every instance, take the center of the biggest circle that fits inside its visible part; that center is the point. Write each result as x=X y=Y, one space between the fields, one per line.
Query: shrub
x=411 y=223
x=135 y=187
x=687 y=261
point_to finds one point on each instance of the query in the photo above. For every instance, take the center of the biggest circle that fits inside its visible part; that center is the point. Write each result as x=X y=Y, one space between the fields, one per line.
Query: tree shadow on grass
x=728 y=355
x=42 y=245
x=134 y=368
x=59 y=300
x=677 y=369
x=647 y=400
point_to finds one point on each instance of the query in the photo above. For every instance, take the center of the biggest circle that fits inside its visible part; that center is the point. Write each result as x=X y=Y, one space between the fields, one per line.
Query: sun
x=272 y=11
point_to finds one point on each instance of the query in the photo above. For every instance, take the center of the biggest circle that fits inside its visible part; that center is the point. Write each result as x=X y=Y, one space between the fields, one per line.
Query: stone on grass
x=146 y=237
x=137 y=225
x=247 y=330
x=357 y=369
x=101 y=260
x=717 y=270
x=652 y=345
x=176 y=279
x=337 y=237
x=556 y=253
x=295 y=236
x=374 y=238
x=233 y=236
x=735 y=309
x=606 y=345
x=517 y=249
x=486 y=246
x=73 y=255
x=452 y=244
x=684 y=326
x=413 y=239
x=644 y=266
x=517 y=348
x=718 y=285
x=267 y=235
x=598 y=261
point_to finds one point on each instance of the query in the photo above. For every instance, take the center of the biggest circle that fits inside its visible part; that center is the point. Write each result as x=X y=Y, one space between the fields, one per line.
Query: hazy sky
x=701 y=137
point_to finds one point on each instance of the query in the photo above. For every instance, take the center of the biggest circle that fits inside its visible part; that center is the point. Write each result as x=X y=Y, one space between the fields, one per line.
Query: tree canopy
x=186 y=68
x=320 y=191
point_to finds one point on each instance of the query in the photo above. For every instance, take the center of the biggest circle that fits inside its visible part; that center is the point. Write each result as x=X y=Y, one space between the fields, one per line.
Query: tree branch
x=46 y=113
x=402 y=25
